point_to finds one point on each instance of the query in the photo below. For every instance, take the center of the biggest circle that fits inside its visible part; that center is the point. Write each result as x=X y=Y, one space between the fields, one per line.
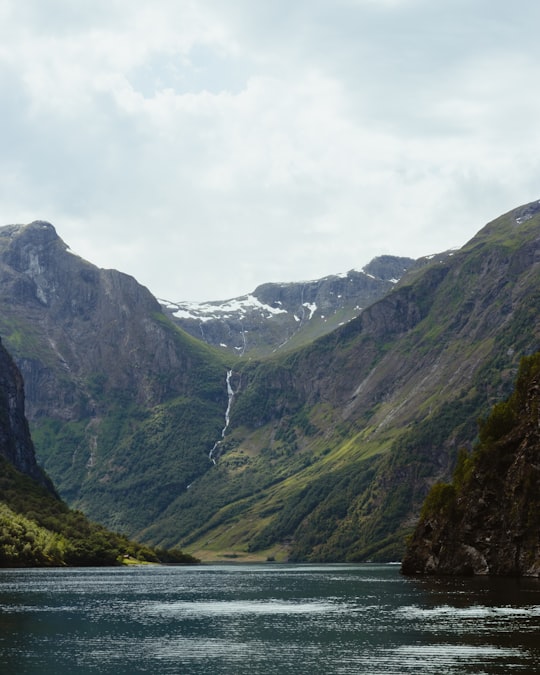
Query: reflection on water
x=265 y=619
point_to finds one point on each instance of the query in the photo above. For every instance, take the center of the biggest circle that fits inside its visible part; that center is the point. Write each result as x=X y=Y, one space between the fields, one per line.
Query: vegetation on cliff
x=487 y=520
x=36 y=527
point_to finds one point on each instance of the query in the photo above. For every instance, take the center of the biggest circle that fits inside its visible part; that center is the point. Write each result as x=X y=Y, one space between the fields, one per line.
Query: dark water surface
x=264 y=619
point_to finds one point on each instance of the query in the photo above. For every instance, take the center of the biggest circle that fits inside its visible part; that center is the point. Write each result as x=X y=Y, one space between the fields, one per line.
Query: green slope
x=332 y=448
x=38 y=529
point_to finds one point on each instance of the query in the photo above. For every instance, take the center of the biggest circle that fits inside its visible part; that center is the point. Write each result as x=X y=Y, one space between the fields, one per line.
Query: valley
x=315 y=441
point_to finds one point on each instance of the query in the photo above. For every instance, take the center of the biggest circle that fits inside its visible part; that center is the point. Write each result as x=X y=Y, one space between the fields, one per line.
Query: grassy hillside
x=37 y=529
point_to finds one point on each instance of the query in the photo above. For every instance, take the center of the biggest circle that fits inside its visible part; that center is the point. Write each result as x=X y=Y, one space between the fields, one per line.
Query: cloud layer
x=206 y=147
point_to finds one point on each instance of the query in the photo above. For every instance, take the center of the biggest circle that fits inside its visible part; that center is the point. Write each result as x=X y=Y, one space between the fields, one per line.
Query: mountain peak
x=41 y=228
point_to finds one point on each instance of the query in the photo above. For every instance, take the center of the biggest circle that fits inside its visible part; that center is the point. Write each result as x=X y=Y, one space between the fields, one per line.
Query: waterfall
x=230 y=397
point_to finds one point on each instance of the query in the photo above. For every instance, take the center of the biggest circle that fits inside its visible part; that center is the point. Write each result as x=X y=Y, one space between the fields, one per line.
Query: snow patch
x=312 y=308
x=229 y=309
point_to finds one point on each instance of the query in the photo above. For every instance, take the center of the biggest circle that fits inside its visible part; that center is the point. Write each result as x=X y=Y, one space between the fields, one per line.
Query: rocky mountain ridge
x=284 y=316
x=69 y=303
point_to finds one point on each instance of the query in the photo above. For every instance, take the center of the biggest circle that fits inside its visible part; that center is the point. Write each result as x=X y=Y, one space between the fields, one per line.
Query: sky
x=206 y=147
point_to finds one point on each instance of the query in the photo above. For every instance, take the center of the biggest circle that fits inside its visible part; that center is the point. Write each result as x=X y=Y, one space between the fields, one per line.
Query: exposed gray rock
x=282 y=316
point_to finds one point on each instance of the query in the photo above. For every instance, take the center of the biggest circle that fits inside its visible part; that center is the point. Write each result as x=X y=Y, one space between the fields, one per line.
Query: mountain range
x=284 y=316
x=322 y=450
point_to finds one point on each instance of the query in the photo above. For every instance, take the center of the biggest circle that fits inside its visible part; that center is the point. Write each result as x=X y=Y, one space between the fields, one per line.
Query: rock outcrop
x=488 y=520
x=15 y=443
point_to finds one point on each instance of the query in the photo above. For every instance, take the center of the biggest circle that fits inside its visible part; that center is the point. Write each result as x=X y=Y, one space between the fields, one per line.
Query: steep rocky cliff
x=284 y=316
x=79 y=332
x=487 y=521
x=15 y=442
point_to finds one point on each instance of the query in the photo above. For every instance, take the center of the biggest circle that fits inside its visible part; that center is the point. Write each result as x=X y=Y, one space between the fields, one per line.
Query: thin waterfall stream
x=230 y=395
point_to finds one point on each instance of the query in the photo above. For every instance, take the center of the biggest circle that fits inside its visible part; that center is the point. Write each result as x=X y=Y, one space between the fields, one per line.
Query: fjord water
x=264 y=619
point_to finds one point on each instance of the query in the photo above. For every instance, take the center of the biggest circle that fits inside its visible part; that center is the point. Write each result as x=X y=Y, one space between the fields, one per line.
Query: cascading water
x=230 y=395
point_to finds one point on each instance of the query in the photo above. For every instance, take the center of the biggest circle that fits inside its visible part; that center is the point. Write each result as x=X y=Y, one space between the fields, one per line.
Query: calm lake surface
x=264 y=619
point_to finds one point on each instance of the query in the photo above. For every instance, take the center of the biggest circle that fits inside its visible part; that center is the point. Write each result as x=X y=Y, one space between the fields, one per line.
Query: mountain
x=36 y=527
x=323 y=452
x=123 y=406
x=288 y=315
x=487 y=521
x=332 y=448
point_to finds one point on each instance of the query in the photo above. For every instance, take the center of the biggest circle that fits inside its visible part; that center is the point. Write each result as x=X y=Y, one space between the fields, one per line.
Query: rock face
x=103 y=367
x=15 y=442
x=283 y=316
x=78 y=332
x=488 y=520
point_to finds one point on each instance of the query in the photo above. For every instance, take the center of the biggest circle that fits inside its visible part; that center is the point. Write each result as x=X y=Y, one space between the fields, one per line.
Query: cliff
x=123 y=406
x=15 y=443
x=487 y=521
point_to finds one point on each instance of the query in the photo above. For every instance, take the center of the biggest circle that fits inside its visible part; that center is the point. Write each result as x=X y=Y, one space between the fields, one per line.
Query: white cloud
x=206 y=147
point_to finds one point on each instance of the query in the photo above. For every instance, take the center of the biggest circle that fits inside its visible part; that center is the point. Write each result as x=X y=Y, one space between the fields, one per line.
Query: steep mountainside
x=123 y=405
x=325 y=452
x=15 y=443
x=332 y=448
x=487 y=521
x=36 y=528
x=288 y=315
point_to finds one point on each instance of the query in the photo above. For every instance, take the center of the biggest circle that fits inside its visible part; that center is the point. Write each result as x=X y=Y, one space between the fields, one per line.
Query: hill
x=332 y=448
x=123 y=406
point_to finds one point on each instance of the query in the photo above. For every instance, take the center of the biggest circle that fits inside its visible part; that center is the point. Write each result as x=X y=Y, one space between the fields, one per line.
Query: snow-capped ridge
x=276 y=315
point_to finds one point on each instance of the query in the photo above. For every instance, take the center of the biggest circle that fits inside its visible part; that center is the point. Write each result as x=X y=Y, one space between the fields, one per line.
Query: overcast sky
x=205 y=147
